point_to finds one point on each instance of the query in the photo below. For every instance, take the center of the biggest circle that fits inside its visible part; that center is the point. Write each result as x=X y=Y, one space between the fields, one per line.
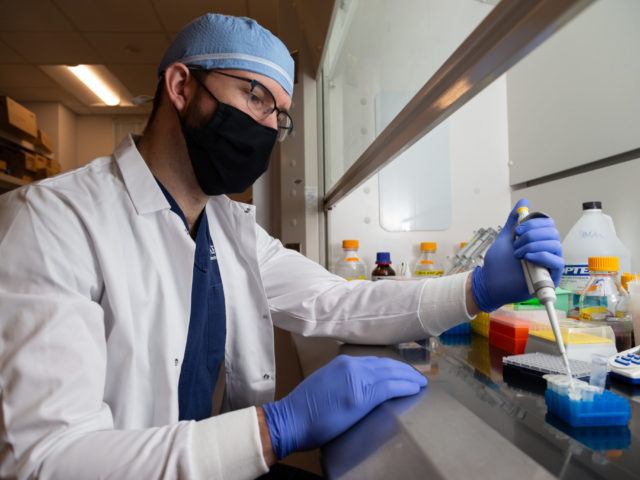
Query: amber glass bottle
x=383 y=267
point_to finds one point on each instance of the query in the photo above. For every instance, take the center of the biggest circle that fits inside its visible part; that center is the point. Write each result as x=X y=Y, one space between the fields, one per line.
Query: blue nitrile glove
x=500 y=280
x=335 y=397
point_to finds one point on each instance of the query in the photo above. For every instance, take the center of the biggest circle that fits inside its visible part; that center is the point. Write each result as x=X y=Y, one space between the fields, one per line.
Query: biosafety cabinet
x=427 y=120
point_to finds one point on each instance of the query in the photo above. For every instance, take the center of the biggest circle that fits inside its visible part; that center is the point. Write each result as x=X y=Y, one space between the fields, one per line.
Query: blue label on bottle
x=576 y=270
x=574 y=278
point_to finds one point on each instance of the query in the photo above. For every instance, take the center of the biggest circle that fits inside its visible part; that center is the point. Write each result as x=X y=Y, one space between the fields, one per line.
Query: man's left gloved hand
x=334 y=398
x=501 y=280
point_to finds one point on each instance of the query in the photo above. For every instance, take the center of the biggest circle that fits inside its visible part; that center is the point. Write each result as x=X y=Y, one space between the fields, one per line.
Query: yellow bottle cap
x=629 y=277
x=428 y=246
x=350 y=244
x=604 y=264
x=462 y=245
x=522 y=210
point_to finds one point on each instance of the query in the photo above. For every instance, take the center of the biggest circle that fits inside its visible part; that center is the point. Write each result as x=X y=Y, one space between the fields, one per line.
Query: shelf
x=10 y=139
x=7 y=182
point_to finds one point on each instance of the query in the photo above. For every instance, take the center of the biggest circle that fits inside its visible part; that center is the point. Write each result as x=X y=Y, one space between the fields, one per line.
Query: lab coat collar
x=138 y=179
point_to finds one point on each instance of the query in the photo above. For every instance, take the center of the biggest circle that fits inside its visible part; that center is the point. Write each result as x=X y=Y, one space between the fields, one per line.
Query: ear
x=178 y=85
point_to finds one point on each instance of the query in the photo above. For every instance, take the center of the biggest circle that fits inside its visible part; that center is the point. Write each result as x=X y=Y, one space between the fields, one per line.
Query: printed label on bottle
x=426 y=262
x=594 y=313
x=429 y=273
x=574 y=278
x=352 y=259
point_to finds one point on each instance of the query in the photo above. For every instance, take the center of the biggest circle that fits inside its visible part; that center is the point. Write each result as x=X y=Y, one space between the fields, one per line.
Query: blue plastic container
x=462 y=329
x=616 y=437
x=605 y=409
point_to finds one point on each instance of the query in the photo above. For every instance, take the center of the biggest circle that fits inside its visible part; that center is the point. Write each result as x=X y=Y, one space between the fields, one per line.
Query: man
x=131 y=285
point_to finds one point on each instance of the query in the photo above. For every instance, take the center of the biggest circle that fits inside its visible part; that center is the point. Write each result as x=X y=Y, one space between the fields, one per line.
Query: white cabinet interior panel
x=480 y=194
x=575 y=99
x=616 y=186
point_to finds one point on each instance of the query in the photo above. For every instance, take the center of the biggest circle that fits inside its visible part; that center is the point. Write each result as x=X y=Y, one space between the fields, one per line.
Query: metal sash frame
x=510 y=31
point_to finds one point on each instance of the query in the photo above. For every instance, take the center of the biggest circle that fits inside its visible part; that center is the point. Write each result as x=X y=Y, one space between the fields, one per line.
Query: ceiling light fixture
x=86 y=75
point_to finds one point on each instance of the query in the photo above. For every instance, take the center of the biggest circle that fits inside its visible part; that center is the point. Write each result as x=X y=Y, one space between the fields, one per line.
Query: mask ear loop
x=201 y=83
x=195 y=76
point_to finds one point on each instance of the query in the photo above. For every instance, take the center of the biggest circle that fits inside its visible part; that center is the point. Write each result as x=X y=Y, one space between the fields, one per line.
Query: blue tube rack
x=462 y=329
x=606 y=409
x=613 y=437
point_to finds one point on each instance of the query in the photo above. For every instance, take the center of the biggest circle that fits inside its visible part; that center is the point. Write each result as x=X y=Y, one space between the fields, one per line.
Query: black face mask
x=230 y=151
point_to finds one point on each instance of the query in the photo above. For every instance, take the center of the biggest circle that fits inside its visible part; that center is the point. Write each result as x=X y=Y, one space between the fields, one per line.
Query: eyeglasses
x=261 y=103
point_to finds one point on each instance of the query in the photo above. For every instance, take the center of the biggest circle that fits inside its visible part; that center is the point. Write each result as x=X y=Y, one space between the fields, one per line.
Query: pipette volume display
x=541 y=285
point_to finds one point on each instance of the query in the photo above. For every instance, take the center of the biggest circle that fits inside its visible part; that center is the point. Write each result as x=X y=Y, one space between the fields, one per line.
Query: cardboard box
x=53 y=167
x=17 y=119
x=30 y=161
x=41 y=162
x=44 y=141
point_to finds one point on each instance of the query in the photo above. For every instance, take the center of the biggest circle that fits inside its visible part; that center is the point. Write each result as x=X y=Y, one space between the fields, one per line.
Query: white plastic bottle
x=593 y=235
x=351 y=267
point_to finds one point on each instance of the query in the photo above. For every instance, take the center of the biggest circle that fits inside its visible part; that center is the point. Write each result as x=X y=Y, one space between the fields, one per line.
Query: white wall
x=95 y=138
x=480 y=186
x=67 y=131
x=297 y=160
x=78 y=139
x=96 y=134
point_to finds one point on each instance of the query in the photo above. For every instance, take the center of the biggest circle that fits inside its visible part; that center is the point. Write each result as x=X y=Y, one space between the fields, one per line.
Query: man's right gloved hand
x=335 y=397
x=501 y=279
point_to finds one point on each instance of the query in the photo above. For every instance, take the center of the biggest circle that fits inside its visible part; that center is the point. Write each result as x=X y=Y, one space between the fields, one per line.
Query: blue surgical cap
x=222 y=41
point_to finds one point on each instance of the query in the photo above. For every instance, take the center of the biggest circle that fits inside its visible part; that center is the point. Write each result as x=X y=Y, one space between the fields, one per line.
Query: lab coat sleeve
x=53 y=420
x=305 y=298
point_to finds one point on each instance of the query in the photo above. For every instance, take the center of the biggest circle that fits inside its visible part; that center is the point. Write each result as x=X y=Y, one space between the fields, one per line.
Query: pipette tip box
x=583 y=405
x=580 y=342
x=508 y=333
x=540 y=364
x=526 y=371
x=480 y=324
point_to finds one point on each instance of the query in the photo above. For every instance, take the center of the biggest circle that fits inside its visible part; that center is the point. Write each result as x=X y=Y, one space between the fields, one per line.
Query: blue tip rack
x=583 y=405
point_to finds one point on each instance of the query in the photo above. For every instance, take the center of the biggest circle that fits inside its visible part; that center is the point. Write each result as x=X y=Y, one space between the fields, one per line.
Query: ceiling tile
x=139 y=79
x=175 y=15
x=24 y=76
x=129 y=47
x=145 y=110
x=7 y=55
x=32 y=16
x=265 y=12
x=26 y=94
x=111 y=15
x=51 y=48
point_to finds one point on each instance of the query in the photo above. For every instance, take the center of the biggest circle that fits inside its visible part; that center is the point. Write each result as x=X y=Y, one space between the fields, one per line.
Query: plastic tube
x=599 y=369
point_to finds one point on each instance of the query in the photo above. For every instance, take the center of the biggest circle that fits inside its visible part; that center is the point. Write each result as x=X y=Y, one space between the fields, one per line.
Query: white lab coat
x=95 y=289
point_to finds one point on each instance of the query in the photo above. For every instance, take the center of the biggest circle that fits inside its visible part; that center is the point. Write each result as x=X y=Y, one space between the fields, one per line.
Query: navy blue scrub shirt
x=204 y=352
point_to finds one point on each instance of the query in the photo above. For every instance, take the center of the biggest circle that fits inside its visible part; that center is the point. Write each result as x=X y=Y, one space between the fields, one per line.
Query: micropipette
x=540 y=284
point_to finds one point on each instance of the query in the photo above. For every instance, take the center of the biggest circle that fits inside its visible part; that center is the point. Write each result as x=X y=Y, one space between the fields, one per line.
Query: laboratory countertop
x=471 y=422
